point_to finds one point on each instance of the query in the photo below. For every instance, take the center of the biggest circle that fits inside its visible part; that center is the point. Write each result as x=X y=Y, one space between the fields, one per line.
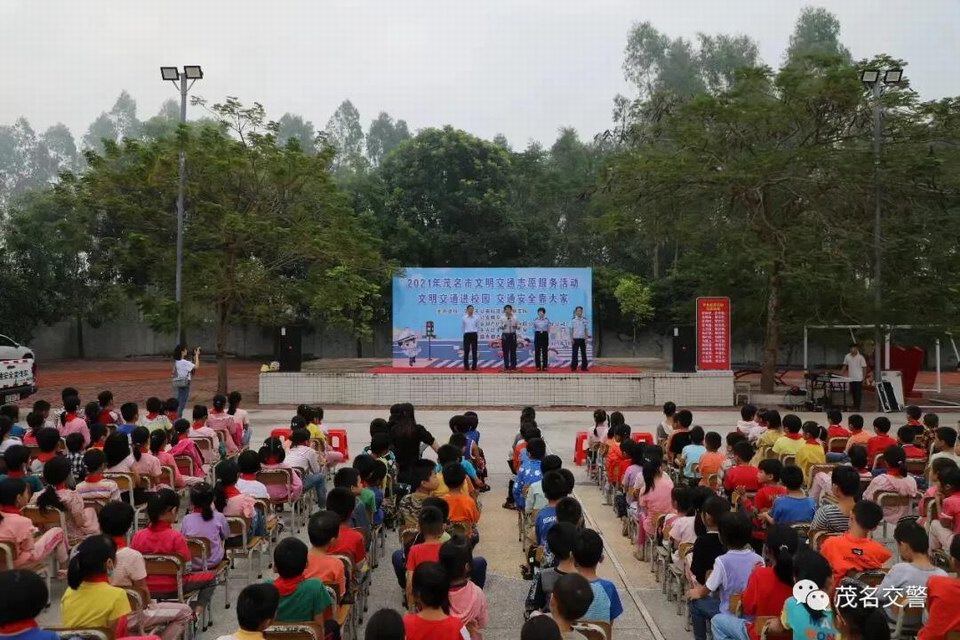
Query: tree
x=635 y=300
x=817 y=33
x=163 y=124
x=119 y=123
x=294 y=127
x=269 y=238
x=722 y=56
x=384 y=136
x=446 y=194
x=345 y=135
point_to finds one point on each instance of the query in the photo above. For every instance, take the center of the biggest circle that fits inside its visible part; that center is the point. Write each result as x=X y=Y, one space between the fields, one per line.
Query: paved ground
x=647 y=614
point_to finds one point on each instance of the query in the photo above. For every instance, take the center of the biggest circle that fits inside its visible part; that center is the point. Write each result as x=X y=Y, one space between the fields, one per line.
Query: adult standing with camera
x=183 y=374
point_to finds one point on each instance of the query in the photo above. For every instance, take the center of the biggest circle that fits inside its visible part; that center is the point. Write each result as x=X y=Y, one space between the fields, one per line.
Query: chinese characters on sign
x=713 y=334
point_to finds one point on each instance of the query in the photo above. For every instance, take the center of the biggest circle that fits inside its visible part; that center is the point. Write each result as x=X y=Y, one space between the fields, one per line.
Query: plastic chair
x=580 y=447
x=249 y=545
x=200 y=550
x=337 y=439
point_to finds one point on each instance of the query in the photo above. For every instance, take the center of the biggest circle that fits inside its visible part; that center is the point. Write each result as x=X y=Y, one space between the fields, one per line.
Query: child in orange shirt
x=323 y=529
x=712 y=460
x=854 y=550
x=463 y=508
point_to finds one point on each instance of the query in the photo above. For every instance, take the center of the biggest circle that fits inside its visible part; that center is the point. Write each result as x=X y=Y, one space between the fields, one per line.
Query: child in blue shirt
x=588 y=553
x=800 y=618
x=793 y=506
x=530 y=470
x=693 y=452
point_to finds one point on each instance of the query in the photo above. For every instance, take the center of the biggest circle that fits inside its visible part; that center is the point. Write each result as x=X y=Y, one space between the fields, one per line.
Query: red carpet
x=601 y=369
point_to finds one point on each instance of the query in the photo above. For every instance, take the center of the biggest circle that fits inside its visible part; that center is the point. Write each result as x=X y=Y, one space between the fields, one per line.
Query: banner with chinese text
x=441 y=296
x=713 y=334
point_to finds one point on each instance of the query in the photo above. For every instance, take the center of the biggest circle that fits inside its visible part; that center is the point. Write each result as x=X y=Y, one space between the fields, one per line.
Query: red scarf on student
x=16 y=627
x=15 y=474
x=120 y=541
x=199 y=424
x=9 y=508
x=94 y=477
x=70 y=416
x=286 y=586
x=152 y=416
x=157 y=527
x=46 y=456
x=813 y=441
x=61 y=486
x=231 y=491
x=792 y=436
x=894 y=472
x=248 y=476
x=100 y=578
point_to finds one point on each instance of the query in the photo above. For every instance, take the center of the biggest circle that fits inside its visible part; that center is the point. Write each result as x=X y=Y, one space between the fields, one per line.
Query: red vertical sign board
x=713 y=334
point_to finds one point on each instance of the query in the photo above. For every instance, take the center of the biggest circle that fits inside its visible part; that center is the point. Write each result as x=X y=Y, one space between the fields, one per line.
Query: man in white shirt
x=471 y=329
x=854 y=365
x=579 y=334
x=508 y=335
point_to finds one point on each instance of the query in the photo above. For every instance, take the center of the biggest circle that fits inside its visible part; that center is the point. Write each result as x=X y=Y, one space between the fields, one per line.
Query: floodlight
x=193 y=71
x=869 y=76
x=893 y=76
x=170 y=73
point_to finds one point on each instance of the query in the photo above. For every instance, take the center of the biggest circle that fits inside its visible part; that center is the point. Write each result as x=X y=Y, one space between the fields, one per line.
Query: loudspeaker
x=289 y=348
x=684 y=349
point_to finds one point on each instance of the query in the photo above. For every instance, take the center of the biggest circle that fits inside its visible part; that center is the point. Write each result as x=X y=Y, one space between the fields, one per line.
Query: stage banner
x=713 y=334
x=429 y=304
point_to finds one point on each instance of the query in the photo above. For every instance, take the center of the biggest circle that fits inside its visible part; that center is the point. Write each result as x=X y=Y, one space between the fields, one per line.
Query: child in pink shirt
x=145 y=464
x=947 y=526
x=224 y=423
x=81 y=521
x=182 y=445
x=72 y=422
x=158 y=445
x=467 y=600
x=18 y=529
x=895 y=480
x=199 y=429
x=272 y=456
x=655 y=499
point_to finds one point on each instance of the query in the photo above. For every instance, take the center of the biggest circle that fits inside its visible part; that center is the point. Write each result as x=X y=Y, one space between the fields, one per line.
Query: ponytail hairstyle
x=56 y=470
x=140 y=437
x=650 y=470
x=202 y=497
x=272 y=451
x=161 y=502
x=233 y=401
x=782 y=543
x=227 y=473
x=70 y=405
x=895 y=458
x=10 y=491
x=219 y=402
x=158 y=440
x=810 y=565
x=180 y=429
x=91 y=411
x=599 y=417
x=116 y=449
x=90 y=559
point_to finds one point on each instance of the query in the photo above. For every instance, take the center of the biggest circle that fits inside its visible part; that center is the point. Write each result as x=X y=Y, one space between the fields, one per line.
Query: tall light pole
x=190 y=73
x=877 y=81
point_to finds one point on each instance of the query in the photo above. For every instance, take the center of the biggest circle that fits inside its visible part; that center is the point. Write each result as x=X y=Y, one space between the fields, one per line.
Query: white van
x=18 y=379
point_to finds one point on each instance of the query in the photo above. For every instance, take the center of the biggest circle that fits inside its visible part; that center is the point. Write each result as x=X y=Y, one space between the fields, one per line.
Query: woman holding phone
x=182 y=375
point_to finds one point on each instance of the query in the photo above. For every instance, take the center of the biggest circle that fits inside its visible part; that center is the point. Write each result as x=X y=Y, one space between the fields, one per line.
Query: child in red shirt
x=879 y=443
x=431 y=588
x=836 y=430
x=770 y=488
x=743 y=474
x=349 y=541
x=943 y=592
x=905 y=438
x=431 y=528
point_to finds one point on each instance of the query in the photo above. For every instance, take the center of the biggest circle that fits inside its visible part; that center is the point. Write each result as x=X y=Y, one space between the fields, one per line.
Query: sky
x=523 y=68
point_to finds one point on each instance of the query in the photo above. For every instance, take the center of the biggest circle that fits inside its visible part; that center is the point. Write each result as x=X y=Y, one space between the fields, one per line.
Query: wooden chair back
x=185 y=465
x=124 y=482
x=837 y=445
x=276 y=477
x=591 y=631
x=45 y=519
x=299 y=631
x=818 y=468
x=889 y=499
x=603 y=625
x=916 y=466
x=168 y=476
x=7 y=556
x=788 y=460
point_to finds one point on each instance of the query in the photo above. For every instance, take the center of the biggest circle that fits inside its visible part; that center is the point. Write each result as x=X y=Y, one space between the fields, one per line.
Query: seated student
x=94 y=486
x=373 y=479
x=905 y=438
x=107 y=414
x=155 y=419
x=811 y=452
x=707 y=547
x=860 y=462
x=48 y=440
x=616 y=453
x=792 y=440
x=794 y=506
x=74 y=456
x=937 y=468
x=204 y=521
x=555 y=488
x=931 y=422
x=231 y=502
x=349 y=478
x=17 y=529
x=801 y=618
x=304 y=457
x=835 y=517
x=857 y=616
x=570 y=601
x=16 y=458
x=682 y=529
x=35 y=422
x=130 y=572
x=7 y=439
x=895 y=480
x=81 y=521
x=25 y=597
x=857 y=435
x=158 y=446
x=535 y=498
x=835 y=429
x=342 y=502
x=680 y=436
x=747 y=424
x=449 y=454
x=384 y=624
x=463 y=508
x=460 y=441
x=229 y=432
x=654 y=499
x=302 y=599
x=691 y=454
x=943 y=592
x=256 y=610
x=881 y=441
x=910 y=575
x=248 y=463
x=530 y=471
x=130 y=415
x=467 y=600
x=431 y=528
x=431 y=588
x=943 y=531
x=363 y=464
x=171 y=409
x=561 y=538
x=161 y=538
x=587 y=554
x=913 y=418
x=425 y=481
x=91 y=601
x=71 y=422
x=730 y=459
x=742 y=474
x=769 y=473
x=712 y=459
x=273 y=456
x=536 y=628
x=730 y=573
x=199 y=429
x=945 y=442
x=182 y=445
x=854 y=550
x=145 y=464
x=323 y=529
x=767 y=588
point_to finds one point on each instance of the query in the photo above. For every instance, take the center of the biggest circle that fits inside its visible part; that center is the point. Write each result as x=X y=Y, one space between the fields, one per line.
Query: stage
x=365 y=383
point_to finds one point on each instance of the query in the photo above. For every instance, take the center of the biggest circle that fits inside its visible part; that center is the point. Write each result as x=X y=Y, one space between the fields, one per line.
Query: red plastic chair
x=642 y=436
x=580 y=448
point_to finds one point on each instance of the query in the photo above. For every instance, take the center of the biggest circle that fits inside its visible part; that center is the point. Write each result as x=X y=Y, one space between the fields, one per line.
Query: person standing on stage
x=541 y=339
x=471 y=327
x=579 y=334
x=508 y=334
x=854 y=365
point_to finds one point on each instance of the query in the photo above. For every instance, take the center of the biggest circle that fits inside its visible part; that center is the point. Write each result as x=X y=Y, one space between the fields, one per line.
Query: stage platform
x=603 y=386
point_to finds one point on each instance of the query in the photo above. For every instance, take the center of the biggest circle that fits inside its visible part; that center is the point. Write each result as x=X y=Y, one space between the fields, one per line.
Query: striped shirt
x=830 y=518
x=101 y=490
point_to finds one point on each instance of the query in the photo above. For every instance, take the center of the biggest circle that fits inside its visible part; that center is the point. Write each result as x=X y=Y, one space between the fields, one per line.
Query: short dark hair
x=554 y=486
x=248 y=461
x=696 y=435
x=772 y=467
x=868 y=514
x=736 y=529
x=573 y=595
x=906 y=434
x=913 y=535
x=342 y=502
x=430 y=521
x=551 y=462
x=588 y=548
x=847 y=480
x=299 y=436
x=535 y=628
x=456 y=557
x=379 y=442
x=792 y=477
x=569 y=510
x=74 y=442
x=951 y=478
x=537 y=448
x=25 y=595
x=346 y=477
x=94 y=460
x=748 y=412
x=792 y=423
x=948 y=435
x=385 y=624
x=712 y=440
x=743 y=450
x=257 y=605
x=422 y=470
x=734 y=437
x=454 y=475
x=858 y=456
x=129 y=411
x=290 y=557
x=955 y=548
x=881 y=424
x=431 y=585
x=855 y=421
x=116 y=518
x=913 y=411
x=16 y=456
x=684 y=418
x=437 y=503
x=561 y=539
x=448 y=453
x=48 y=439
x=323 y=527
x=835 y=416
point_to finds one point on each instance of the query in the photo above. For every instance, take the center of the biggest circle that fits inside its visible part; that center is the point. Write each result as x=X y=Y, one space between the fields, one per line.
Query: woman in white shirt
x=182 y=375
